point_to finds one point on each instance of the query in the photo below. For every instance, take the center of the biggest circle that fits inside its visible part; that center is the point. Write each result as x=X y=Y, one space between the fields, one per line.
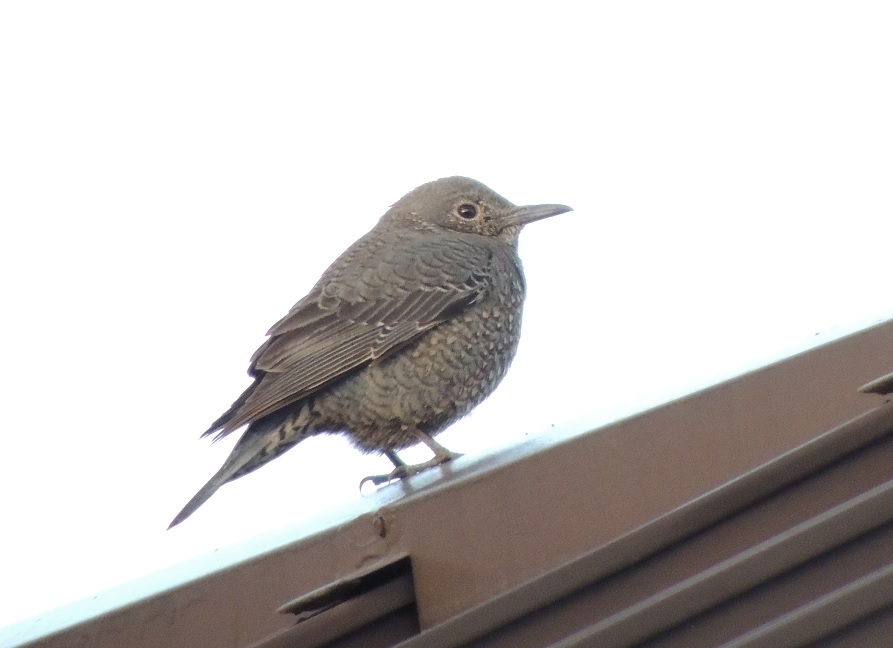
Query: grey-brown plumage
x=408 y=330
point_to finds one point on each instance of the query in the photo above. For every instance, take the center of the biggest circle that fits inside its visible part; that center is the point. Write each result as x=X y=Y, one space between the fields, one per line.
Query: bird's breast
x=438 y=377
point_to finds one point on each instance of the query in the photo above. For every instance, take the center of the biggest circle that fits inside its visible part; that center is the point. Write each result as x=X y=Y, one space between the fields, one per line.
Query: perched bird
x=406 y=332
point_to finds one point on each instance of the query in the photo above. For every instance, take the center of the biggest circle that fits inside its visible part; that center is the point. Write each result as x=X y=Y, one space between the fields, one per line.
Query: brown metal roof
x=754 y=513
x=795 y=550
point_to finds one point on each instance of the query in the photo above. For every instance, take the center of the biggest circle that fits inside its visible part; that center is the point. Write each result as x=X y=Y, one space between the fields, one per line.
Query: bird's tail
x=262 y=441
x=234 y=463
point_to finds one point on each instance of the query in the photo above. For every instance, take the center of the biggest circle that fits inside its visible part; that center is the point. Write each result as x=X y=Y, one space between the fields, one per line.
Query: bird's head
x=465 y=205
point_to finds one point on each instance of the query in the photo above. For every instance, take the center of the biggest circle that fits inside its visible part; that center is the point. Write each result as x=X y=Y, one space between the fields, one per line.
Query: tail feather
x=265 y=439
x=241 y=455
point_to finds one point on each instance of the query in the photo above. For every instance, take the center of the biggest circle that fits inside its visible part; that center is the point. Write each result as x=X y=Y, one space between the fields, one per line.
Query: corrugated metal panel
x=374 y=607
x=682 y=522
x=804 y=535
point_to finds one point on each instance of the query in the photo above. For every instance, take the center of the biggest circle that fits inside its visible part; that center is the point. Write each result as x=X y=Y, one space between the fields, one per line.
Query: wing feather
x=356 y=313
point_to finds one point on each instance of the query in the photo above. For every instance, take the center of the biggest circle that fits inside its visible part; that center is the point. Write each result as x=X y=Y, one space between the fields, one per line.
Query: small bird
x=406 y=332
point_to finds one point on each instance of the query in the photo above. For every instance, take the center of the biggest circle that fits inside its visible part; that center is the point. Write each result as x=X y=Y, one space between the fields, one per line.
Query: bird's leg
x=441 y=454
x=402 y=469
x=395 y=459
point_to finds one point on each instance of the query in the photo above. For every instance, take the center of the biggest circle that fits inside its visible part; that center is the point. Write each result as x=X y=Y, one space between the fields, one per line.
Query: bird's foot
x=404 y=470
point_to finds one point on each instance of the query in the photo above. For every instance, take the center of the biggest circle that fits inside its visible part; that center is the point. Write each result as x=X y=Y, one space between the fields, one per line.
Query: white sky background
x=174 y=176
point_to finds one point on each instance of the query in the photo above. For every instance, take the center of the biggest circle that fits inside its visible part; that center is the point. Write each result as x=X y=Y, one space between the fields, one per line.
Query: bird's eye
x=467 y=210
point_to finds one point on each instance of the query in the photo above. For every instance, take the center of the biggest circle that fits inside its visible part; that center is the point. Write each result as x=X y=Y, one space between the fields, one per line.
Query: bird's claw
x=378 y=480
x=404 y=471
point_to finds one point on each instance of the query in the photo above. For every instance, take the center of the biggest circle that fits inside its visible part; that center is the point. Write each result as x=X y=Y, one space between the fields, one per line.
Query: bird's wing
x=359 y=312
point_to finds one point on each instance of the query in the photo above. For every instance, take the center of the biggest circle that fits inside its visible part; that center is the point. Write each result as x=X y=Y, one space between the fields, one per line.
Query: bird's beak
x=529 y=213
